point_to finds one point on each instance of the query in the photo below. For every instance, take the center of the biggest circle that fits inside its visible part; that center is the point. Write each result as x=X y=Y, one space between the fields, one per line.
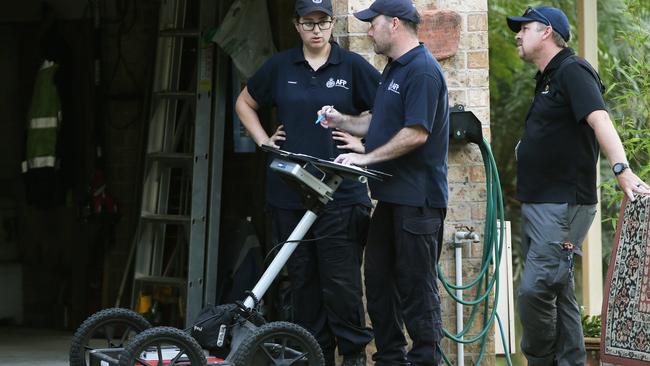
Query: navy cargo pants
x=325 y=277
x=400 y=274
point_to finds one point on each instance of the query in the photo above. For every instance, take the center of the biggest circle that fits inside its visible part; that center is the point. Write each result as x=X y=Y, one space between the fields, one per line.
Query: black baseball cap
x=403 y=9
x=546 y=15
x=304 y=7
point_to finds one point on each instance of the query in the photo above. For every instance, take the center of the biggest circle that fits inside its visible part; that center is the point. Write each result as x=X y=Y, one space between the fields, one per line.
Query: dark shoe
x=358 y=359
x=328 y=354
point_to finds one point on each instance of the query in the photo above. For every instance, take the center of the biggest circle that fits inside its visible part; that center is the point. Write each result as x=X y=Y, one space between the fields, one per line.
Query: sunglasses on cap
x=536 y=14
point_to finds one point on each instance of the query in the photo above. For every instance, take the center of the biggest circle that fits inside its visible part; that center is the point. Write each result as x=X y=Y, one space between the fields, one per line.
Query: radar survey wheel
x=108 y=328
x=279 y=344
x=163 y=346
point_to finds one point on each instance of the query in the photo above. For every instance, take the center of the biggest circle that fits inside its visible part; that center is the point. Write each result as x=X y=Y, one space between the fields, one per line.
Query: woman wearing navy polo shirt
x=325 y=275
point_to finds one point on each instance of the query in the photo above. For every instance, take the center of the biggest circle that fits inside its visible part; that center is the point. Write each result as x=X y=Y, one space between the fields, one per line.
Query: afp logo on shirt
x=339 y=83
x=393 y=86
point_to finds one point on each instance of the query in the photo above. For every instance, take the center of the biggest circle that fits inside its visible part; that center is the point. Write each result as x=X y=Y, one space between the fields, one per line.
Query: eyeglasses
x=530 y=10
x=322 y=25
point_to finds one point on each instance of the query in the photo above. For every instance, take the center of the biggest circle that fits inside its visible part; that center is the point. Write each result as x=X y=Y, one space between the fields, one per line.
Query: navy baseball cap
x=304 y=7
x=544 y=14
x=403 y=9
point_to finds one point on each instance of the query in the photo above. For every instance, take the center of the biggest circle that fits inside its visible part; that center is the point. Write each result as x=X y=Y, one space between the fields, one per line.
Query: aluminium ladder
x=172 y=245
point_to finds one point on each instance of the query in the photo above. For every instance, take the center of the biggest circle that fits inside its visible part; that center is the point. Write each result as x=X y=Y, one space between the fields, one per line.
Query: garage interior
x=70 y=237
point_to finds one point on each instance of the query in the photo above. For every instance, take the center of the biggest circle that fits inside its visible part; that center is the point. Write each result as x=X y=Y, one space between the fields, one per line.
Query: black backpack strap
x=585 y=65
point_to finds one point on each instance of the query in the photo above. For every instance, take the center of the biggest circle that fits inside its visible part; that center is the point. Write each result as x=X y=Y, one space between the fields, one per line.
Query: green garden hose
x=492 y=247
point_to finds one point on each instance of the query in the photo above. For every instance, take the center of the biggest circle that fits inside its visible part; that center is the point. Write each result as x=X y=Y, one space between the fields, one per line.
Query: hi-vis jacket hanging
x=44 y=121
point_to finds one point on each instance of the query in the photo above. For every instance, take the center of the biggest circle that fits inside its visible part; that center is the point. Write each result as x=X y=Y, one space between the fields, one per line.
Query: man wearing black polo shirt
x=325 y=274
x=407 y=136
x=556 y=183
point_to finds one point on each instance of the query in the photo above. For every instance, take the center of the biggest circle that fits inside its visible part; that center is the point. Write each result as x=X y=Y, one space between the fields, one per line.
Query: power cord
x=266 y=258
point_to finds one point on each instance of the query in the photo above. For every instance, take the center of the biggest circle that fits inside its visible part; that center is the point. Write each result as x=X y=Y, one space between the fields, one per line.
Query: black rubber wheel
x=161 y=343
x=108 y=328
x=279 y=344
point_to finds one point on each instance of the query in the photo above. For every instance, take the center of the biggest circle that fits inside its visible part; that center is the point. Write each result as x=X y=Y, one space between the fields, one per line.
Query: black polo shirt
x=557 y=155
x=346 y=81
x=412 y=92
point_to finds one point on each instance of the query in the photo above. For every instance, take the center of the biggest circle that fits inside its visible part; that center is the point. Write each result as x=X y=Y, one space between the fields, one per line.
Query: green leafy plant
x=626 y=71
x=590 y=325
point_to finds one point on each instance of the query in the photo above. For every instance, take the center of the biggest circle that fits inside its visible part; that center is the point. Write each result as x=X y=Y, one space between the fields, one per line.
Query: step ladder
x=171 y=243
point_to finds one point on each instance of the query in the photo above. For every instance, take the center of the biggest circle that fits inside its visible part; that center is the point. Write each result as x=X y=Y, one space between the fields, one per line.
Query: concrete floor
x=34 y=347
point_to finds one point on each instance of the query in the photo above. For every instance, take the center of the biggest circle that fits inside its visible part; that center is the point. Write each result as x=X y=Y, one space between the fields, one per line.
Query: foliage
x=590 y=324
x=629 y=70
x=626 y=71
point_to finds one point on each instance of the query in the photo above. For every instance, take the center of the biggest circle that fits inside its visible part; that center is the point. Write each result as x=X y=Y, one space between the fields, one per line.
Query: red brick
x=457 y=96
x=478 y=211
x=440 y=32
x=458 y=174
x=457 y=61
x=459 y=213
x=340 y=27
x=478 y=60
x=487 y=134
x=477 y=174
x=340 y=7
x=477 y=22
x=343 y=41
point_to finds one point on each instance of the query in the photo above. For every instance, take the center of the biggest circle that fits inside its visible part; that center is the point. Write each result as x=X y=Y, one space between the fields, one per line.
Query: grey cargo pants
x=548 y=310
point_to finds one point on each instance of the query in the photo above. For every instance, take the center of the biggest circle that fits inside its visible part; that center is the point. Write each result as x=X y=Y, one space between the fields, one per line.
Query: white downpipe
x=458 y=251
x=281 y=258
x=460 y=237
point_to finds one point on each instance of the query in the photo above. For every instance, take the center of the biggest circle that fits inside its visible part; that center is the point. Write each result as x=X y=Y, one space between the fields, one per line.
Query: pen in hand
x=322 y=116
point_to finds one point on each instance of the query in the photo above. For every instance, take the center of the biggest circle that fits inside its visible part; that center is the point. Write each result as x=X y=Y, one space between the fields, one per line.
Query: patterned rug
x=626 y=309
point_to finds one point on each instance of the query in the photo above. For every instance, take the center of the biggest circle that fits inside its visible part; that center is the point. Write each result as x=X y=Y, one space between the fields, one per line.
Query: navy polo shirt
x=558 y=152
x=286 y=81
x=412 y=92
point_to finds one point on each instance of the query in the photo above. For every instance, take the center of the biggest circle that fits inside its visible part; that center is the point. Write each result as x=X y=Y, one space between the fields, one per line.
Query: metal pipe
x=458 y=251
x=459 y=238
x=281 y=258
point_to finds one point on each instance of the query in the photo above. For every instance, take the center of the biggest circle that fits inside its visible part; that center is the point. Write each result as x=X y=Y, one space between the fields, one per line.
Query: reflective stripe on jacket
x=44 y=121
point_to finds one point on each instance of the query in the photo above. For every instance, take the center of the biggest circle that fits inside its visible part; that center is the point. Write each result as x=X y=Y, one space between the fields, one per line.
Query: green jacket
x=44 y=121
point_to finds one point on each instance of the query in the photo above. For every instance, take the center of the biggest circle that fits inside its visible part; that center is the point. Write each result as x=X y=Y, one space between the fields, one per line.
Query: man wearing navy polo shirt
x=556 y=183
x=407 y=136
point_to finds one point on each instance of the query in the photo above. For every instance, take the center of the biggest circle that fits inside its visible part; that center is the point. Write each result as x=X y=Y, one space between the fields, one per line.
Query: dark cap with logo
x=403 y=9
x=546 y=15
x=304 y=7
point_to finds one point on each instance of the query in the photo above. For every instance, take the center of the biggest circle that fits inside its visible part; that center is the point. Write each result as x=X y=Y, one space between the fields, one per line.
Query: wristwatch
x=619 y=168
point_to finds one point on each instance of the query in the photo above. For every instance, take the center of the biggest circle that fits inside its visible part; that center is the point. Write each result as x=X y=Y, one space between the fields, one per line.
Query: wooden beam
x=592 y=268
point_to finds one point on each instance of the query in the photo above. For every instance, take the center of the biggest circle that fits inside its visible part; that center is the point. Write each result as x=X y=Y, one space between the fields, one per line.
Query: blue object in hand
x=320 y=118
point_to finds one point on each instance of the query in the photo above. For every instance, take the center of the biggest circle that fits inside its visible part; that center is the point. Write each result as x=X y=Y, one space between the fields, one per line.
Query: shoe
x=357 y=359
x=328 y=354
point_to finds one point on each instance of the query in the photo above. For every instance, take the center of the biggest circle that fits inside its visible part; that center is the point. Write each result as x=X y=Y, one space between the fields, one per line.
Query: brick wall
x=467 y=79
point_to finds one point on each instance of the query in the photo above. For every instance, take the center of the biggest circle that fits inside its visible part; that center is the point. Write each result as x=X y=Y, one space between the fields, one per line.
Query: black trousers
x=400 y=274
x=326 y=278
